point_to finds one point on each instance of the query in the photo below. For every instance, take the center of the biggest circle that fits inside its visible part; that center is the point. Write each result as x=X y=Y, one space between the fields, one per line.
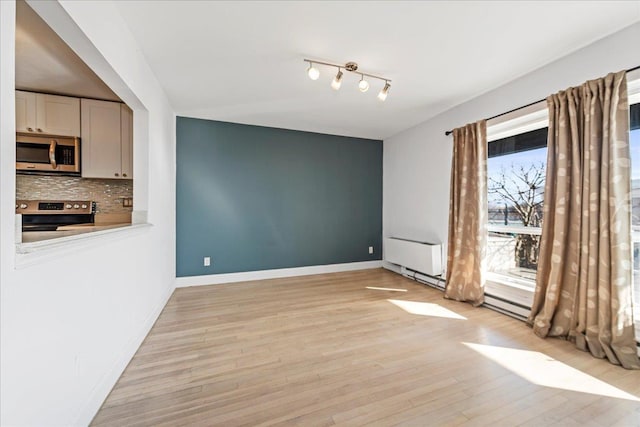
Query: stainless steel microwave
x=47 y=153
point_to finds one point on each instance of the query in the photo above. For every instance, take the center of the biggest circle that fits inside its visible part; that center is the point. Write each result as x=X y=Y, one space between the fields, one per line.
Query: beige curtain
x=584 y=288
x=467 y=214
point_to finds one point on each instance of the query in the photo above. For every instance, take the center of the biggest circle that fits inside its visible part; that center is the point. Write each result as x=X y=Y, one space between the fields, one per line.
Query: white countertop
x=37 y=236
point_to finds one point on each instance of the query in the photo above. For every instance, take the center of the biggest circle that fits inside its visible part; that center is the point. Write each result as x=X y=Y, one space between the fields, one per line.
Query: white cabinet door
x=47 y=114
x=126 y=124
x=100 y=143
x=25 y=111
x=57 y=115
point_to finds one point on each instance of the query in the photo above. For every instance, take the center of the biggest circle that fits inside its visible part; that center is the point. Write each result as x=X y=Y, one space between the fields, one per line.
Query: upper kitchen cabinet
x=26 y=111
x=40 y=113
x=106 y=140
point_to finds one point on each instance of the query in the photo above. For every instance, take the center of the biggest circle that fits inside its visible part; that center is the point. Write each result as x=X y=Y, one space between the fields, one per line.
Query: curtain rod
x=449 y=132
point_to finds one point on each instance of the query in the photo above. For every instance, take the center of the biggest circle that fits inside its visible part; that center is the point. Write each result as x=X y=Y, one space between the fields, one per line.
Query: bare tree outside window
x=516 y=195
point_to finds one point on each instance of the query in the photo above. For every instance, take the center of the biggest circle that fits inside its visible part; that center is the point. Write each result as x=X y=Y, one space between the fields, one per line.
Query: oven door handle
x=52 y=153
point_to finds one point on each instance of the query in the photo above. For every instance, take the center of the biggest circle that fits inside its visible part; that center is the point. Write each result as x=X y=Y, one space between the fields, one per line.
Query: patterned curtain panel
x=584 y=288
x=467 y=214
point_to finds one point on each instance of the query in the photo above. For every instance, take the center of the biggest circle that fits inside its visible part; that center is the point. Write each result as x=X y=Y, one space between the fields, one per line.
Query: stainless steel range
x=48 y=215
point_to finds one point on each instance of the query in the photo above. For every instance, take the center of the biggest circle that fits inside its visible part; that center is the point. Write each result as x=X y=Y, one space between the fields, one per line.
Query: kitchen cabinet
x=25 y=111
x=106 y=140
x=39 y=113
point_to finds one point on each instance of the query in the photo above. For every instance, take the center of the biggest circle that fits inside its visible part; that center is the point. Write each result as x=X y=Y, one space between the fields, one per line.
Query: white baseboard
x=216 y=279
x=109 y=379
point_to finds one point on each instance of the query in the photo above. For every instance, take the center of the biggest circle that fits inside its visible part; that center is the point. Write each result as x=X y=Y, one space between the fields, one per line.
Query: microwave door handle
x=52 y=154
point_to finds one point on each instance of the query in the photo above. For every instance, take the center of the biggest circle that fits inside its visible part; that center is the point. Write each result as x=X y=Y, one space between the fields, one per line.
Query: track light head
x=384 y=91
x=313 y=72
x=337 y=80
x=363 y=85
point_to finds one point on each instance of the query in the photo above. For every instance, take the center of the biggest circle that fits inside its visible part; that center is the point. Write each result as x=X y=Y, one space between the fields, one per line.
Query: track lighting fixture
x=336 y=83
x=337 y=80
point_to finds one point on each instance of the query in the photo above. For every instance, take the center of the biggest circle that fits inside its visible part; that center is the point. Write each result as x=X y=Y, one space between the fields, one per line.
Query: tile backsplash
x=107 y=193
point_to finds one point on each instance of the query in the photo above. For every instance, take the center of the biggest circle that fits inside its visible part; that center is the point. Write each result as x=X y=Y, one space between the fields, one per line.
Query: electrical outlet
x=207 y=261
x=370 y=249
x=127 y=202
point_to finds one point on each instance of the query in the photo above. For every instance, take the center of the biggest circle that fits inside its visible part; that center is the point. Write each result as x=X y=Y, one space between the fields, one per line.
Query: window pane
x=515 y=195
x=634 y=116
x=634 y=140
x=517 y=143
x=505 y=253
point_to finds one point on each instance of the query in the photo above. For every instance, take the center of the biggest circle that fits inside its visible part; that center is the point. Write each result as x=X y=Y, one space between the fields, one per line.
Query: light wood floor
x=326 y=350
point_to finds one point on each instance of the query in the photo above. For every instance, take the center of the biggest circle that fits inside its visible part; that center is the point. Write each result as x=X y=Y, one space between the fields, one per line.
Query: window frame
x=633 y=94
x=529 y=118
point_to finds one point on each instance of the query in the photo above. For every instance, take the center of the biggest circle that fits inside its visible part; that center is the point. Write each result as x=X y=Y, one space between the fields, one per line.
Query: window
x=515 y=186
x=517 y=152
x=634 y=142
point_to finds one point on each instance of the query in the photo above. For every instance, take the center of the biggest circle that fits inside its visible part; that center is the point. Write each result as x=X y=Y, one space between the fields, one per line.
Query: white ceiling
x=242 y=61
x=45 y=63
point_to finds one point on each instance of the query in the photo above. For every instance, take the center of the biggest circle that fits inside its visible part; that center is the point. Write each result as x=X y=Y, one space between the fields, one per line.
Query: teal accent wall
x=258 y=198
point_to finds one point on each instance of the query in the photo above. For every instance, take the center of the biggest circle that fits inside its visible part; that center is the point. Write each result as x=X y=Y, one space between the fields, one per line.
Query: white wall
x=71 y=322
x=417 y=162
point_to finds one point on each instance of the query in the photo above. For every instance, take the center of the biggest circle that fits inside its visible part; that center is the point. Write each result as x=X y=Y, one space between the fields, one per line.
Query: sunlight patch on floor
x=373 y=288
x=540 y=369
x=426 y=309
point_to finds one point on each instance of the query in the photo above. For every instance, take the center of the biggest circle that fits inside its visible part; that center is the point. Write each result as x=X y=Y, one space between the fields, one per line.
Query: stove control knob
x=76 y=206
x=84 y=206
x=23 y=206
x=68 y=206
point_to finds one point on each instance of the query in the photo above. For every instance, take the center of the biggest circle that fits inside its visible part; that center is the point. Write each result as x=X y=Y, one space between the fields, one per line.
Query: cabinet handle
x=117 y=174
x=124 y=174
x=39 y=130
x=52 y=153
x=30 y=129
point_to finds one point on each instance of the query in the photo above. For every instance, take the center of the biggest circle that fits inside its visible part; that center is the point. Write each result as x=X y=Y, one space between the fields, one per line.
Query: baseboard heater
x=504 y=306
x=436 y=282
x=493 y=302
x=422 y=262
x=423 y=257
x=419 y=261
